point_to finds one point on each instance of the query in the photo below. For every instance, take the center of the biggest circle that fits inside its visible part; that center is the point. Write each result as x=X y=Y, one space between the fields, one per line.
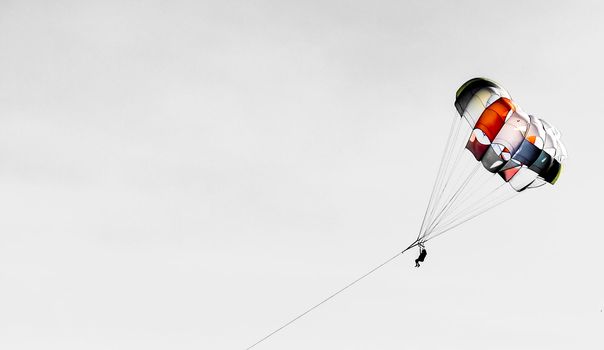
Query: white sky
x=192 y=174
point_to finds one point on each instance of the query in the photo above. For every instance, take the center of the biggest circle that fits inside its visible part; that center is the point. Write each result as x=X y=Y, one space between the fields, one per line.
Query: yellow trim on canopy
x=558 y=175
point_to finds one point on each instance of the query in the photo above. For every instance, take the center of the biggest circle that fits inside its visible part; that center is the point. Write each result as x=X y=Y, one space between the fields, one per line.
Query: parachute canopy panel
x=476 y=95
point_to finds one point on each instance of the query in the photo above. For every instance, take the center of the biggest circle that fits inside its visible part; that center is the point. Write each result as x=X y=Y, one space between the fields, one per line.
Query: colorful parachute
x=495 y=150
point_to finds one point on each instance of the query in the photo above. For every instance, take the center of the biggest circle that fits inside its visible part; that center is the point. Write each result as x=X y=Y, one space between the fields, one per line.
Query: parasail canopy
x=495 y=150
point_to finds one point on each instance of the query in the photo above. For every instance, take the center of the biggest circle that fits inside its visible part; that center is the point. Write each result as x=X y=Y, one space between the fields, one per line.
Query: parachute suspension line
x=498 y=194
x=487 y=198
x=456 y=185
x=473 y=215
x=468 y=196
x=470 y=217
x=459 y=210
x=452 y=173
x=448 y=184
x=448 y=171
x=445 y=157
x=476 y=189
x=333 y=295
x=453 y=198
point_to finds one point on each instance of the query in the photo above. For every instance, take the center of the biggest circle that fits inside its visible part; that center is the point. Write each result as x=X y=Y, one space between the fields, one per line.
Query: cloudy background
x=192 y=174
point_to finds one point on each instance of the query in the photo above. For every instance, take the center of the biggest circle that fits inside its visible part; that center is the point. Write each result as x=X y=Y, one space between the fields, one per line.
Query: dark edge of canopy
x=468 y=89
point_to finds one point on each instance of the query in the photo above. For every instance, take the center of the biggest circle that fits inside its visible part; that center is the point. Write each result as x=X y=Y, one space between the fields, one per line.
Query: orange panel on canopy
x=493 y=118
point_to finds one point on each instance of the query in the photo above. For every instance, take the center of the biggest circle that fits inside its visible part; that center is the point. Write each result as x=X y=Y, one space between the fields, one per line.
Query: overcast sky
x=193 y=174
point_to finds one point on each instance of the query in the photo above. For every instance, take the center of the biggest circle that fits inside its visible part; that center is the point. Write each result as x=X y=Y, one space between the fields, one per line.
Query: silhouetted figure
x=421 y=257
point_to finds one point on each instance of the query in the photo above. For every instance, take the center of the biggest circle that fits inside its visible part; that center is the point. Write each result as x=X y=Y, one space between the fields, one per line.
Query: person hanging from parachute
x=422 y=255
